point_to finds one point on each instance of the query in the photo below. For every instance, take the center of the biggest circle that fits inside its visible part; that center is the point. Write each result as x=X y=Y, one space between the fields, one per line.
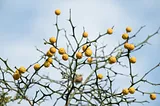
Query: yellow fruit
x=128 y=29
x=112 y=59
x=152 y=96
x=50 y=60
x=22 y=69
x=16 y=71
x=131 y=90
x=88 y=52
x=52 y=39
x=57 y=12
x=46 y=64
x=110 y=31
x=125 y=91
x=132 y=60
x=49 y=54
x=85 y=34
x=127 y=45
x=78 y=79
x=79 y=55
x=16 y=76
x=89 y=60
x=65 y=57
x=131 y=47
x=125 y=36
x=61 y=51
x=37 y=66
x=84 y=47
x=52 y=50
x=99 y=76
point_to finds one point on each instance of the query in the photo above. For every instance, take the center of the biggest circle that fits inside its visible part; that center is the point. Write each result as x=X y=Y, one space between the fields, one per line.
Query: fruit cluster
x=18 y=72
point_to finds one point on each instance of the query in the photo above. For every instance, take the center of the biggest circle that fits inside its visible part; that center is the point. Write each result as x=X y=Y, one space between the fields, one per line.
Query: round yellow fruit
x=79 y=55
x=16 y=76
x=46 y=64
x=49 y=54
x=65 y=57
x=84 y=48
x=131 y=90
x=85 y=34
x=89 y=60
x=99 y=76
x=127 y=45
x=37 y=66
x=152 y=96
x=132 y=60
x=52 y=50
x=61 y=51
x=50 y=60
x=112 y=59
x=125 y=91
x=17 y=71
x=131 y=47
x=22 y=69
x=125 y=36
x=78 y=79
x=57 y=12
x=52 y=39
x=88 y=52
x=109 y=31
x=128 y=29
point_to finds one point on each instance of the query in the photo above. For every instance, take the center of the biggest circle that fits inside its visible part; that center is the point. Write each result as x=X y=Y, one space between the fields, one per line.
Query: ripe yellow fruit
x=125 y=91
x=46 y=64
x=52 y=50
x=50 y=60
x=131 y=90
x=37 y=66
x=127 y=45
x=125 y=36
x=128 y=29
x=78 y=78
x=16 y=75
x=79 y=55
x=109 y=31
x=61 y=51
x=152 y=96
x=65 y=57
x=57 y=12
x=52 y=39
x=22 y=69
x=131 y=47
x=112 y=59
x=84 y=48
x=85 y=34
x=17 y=71
x=89 y=60
x=88 y=52
x=99 y=76
x=49 y=54
x=132 y=60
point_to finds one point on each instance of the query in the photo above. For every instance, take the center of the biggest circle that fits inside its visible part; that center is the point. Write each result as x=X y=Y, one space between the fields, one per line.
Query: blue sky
x=24 y=24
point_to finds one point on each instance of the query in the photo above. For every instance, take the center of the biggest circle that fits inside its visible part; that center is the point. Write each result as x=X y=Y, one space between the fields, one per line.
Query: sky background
x=24 y=24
